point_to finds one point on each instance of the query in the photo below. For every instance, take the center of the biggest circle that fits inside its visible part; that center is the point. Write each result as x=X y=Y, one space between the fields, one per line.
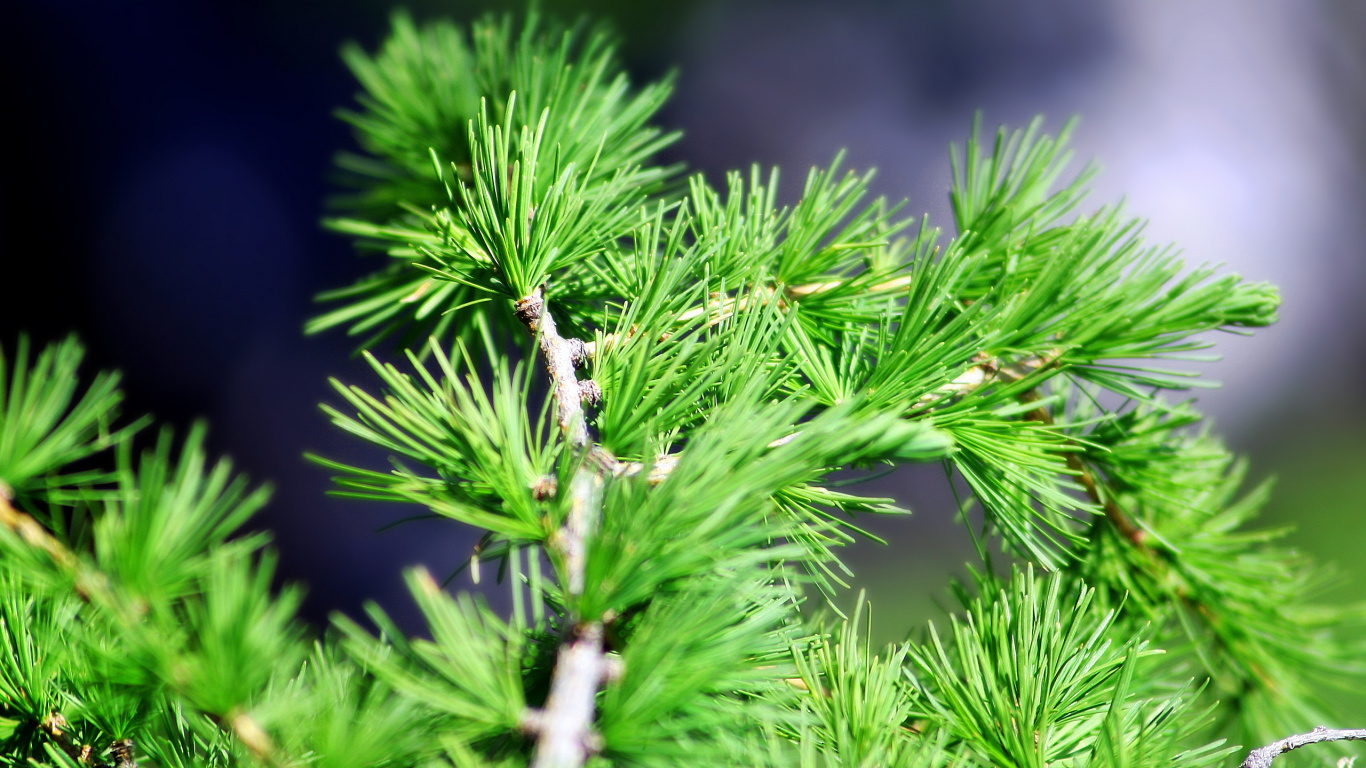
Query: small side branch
x=564 y=728
x=986 y=371
x=1116 y=516
x=1162 y=572
x=1262 y=757
x=797 y=292
x=90 y=584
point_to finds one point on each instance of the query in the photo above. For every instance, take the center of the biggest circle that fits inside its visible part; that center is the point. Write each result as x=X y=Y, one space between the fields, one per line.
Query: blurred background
x=165 y=166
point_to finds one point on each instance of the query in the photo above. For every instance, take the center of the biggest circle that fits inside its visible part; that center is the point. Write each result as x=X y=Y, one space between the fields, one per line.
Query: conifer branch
x=1136 y=535
x=92 y=586
x=903 y=352
x=1262 y=756
x=56 y=727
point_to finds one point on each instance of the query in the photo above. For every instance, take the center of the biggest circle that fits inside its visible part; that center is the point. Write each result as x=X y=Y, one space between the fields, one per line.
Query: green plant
x=653 y=490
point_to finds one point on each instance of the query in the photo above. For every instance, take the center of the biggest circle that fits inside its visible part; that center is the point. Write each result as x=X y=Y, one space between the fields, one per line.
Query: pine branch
x=826 y=324
x=93 y=587
x=1262 y=756
x=90 y=585
x=55 y=726
x=121 y=753
x=1162 y=570
x=984 y=373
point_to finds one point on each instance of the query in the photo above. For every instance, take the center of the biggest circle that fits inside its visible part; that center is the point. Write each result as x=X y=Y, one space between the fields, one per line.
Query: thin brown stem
x=90 y=585
x=1112 y=510
x=1136 y=535
x=986 y=371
